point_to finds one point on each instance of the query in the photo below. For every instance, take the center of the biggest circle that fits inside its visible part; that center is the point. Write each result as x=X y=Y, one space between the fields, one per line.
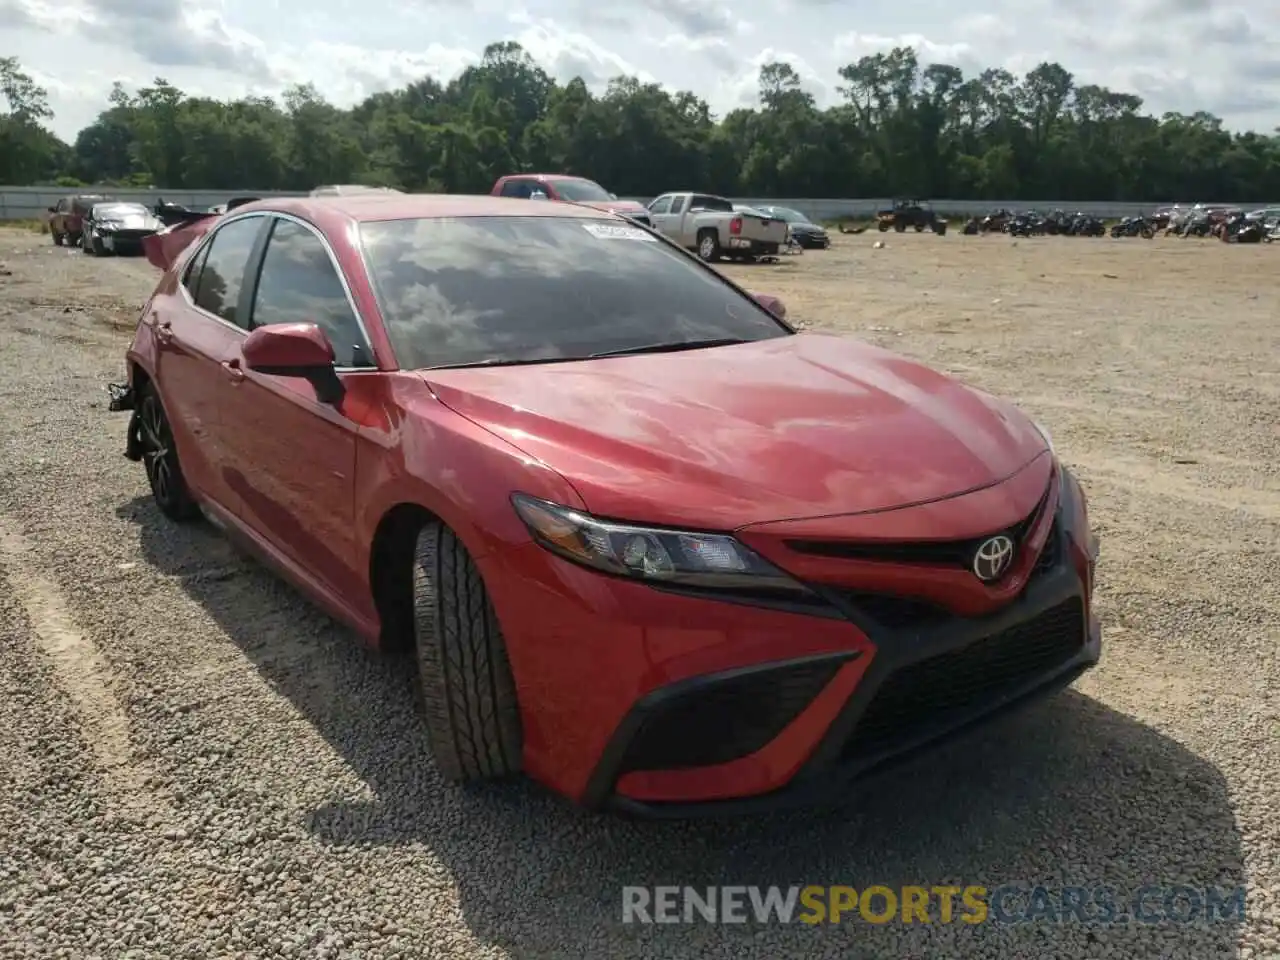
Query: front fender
x=465 y=475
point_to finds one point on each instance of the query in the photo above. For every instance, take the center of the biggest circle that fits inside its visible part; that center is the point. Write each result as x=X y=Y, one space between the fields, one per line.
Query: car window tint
x=677 y=205
x=299 y=284
x=465 y=290
x=518 y=188
x=222 y=275
x=191 y=275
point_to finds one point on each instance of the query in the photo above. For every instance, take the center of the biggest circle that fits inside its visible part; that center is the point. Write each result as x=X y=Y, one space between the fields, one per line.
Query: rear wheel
x=160 y=458
x=467 y=692
x=708 y=246
x=919 y=228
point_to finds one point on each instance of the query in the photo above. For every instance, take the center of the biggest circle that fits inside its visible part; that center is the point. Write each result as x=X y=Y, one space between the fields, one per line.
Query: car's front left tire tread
x=465 y=683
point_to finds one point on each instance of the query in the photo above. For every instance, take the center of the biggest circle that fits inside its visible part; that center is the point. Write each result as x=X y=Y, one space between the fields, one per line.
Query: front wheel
x=465 y=685
x=160 y=458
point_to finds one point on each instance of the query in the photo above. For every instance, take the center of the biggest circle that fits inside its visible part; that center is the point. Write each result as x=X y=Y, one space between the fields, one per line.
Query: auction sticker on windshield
x=614 y=231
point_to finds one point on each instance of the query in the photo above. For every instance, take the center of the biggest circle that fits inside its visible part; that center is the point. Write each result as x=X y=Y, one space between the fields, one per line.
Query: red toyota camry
x=649 y=544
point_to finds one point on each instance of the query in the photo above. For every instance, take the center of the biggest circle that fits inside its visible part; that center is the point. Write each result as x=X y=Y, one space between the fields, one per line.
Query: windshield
x=581 y=191
x=119 y=210
x=787 y=214
x=520 y=289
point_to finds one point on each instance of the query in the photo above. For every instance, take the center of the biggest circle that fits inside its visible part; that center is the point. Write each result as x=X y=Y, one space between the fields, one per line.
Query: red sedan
x=650 y=545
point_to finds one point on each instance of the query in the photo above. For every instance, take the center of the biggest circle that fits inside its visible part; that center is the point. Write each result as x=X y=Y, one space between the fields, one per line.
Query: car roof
x=546 y=176
x=411 y=206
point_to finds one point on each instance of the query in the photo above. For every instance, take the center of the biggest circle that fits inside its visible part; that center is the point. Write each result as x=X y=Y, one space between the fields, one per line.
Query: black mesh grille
x=941 y=689
x=896 y=613
x=719 y=722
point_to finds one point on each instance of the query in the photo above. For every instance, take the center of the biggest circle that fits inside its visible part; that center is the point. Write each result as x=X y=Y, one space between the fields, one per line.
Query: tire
x=57 y=237
x=883 y=226
x=160 y=458
x=708 y=246
x=99 y=249
x=465 y=687
x=919 y=228
x=87 y=245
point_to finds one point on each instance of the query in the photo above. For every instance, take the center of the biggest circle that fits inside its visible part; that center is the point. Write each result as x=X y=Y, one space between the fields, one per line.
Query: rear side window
x=299 y=284
x=677 y=205
x=222 y=274
x=191 y=275
x=521 y=189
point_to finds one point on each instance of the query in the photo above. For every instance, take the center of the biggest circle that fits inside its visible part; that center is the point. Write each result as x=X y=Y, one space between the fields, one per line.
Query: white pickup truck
x=711 y=226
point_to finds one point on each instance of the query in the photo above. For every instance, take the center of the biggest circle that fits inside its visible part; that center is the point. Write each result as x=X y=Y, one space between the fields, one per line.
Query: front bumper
x=669 y=704
x=812 y=241
x=124 y=241
x=920 y=691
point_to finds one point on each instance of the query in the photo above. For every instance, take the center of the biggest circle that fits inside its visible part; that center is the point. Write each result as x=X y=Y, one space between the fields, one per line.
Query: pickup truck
x=567 y=189
x=711 y=226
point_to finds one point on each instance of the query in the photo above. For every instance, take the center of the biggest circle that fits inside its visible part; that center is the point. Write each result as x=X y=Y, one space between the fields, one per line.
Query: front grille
x=725 y=720
x=941 y=553
x=941 y=690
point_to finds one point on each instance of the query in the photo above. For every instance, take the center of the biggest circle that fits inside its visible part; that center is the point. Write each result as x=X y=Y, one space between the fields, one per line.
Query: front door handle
x=164 y=332
x=233 y=370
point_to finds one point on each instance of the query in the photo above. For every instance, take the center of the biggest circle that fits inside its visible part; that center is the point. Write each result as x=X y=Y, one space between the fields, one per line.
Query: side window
x=191 y=275
x=661 y=205
x=299 y=284
x=677 y=205
x=517 y=188
x=62 y=205
x=222 y=274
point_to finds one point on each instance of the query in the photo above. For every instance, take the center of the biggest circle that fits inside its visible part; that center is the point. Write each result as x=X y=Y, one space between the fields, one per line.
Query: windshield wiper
x=499 y=362
x=670 y=347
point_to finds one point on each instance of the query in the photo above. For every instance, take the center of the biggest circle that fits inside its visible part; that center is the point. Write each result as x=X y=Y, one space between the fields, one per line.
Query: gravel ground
x=196 y=763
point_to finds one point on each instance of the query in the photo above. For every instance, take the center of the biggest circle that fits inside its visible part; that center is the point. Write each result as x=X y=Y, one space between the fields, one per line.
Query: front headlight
x=645 y=553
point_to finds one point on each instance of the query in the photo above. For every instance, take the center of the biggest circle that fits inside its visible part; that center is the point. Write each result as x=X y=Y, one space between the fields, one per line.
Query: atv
x=910 y=213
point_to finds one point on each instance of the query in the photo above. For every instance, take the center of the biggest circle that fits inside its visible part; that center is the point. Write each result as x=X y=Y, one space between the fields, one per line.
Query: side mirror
x=537 y=195
x=295 y=350
x=772 y=304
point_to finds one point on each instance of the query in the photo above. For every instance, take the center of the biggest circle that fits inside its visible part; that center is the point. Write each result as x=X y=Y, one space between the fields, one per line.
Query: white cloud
x=1185 y=55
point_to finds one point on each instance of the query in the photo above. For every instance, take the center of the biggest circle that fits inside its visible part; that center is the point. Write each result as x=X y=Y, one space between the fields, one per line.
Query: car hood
x=628 y=208
x=807 y=228
x=799 y=426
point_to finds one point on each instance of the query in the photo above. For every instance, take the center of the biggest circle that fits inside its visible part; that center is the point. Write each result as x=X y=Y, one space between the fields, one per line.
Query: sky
x=1183 y=55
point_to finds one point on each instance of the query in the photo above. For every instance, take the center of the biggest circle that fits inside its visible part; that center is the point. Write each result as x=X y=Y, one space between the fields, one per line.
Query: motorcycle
x=1133 y=227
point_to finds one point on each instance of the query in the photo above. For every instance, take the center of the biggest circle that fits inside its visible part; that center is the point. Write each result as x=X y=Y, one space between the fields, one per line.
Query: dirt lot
x=195 y=763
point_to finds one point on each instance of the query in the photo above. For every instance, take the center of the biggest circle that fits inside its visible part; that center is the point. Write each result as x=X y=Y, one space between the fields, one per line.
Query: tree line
x=902 y=129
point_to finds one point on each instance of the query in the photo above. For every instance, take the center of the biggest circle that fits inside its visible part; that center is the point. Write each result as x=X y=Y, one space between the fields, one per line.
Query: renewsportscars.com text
x=1006 y=904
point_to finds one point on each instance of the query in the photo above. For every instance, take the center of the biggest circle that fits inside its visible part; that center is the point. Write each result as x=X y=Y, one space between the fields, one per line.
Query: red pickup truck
x=568 y=189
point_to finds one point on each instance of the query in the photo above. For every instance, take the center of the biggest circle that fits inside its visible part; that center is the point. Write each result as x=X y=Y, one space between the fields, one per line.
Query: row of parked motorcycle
x=1229 y=224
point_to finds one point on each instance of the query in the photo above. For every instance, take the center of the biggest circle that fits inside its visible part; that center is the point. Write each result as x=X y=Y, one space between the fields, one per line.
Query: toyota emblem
x=992 y=558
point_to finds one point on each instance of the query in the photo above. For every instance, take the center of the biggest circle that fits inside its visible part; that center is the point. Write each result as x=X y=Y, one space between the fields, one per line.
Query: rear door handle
x=233 y=371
